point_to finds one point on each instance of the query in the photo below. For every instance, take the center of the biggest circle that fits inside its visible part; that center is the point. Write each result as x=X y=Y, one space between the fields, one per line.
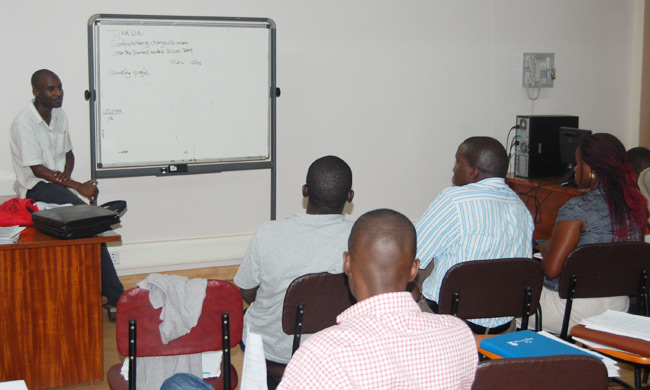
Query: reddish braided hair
x=628 y=208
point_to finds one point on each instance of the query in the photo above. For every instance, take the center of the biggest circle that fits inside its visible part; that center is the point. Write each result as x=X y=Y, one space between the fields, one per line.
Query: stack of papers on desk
x=620 y=323
x=10 y=234
x=13 y=385
x=527 y=343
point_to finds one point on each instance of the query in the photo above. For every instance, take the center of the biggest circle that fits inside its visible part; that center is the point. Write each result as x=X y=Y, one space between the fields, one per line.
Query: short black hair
x=37 y=75
x=488 y=155
x=639 y=157
x=329 y=181
x=384 y=224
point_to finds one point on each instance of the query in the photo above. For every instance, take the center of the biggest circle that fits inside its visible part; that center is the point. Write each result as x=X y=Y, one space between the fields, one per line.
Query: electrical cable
x=530 y=85
x=509 y=144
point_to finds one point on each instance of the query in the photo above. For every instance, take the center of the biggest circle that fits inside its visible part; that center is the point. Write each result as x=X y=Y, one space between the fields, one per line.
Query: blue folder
x=527 y=343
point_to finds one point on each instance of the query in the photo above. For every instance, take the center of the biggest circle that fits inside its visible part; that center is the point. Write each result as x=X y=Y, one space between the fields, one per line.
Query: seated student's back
x=281 y=251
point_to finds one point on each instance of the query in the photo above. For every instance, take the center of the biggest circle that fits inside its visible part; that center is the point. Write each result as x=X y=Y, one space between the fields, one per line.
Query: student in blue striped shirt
x=478 y=218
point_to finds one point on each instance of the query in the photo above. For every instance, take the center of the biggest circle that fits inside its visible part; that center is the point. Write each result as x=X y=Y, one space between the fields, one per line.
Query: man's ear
x=474 y=173
x=415 y=268
x=350 y=196
x=305 y=191
x=35 y=91
x=346 y=263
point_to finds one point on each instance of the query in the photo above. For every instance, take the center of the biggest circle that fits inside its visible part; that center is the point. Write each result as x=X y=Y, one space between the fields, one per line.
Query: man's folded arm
x=249 y=294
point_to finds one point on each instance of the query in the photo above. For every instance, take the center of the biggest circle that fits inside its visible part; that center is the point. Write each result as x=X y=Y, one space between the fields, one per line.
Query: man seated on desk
x=41 y=152
x=384 y=341
x=281 y=251
x=479 y=218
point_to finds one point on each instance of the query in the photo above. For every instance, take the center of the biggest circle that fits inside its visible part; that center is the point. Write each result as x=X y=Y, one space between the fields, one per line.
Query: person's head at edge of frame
x=479 y=158
x=381 y=254
x=602 y=163
x=47 y=89
x=639 y=157
x=328 y=186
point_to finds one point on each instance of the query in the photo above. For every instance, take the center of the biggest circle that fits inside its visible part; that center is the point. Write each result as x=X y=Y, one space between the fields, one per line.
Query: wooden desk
x=543 y=197
x=617 y=342
x=627 y=349
x=50 y=310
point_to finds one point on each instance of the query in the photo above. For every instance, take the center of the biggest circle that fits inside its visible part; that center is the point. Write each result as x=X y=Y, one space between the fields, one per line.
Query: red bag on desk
x=17 y=211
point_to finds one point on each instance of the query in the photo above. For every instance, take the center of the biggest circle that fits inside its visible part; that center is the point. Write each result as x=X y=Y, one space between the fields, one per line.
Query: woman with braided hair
x=612 y=209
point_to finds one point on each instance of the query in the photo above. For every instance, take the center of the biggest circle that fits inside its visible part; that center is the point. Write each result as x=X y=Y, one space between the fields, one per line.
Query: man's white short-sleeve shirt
x=34 y=142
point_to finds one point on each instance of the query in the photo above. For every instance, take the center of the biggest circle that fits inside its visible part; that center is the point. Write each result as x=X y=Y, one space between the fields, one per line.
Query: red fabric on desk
x=17 y=211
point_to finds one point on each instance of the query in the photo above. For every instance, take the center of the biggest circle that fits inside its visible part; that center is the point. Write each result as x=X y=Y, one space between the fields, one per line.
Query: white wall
x=392 y=87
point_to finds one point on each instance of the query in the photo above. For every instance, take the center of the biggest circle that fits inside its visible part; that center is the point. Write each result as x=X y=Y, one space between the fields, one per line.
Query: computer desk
x=543 y=197
x=51 y=310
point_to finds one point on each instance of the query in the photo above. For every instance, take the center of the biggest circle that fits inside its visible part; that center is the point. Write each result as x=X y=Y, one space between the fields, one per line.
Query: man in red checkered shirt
x=384 y=341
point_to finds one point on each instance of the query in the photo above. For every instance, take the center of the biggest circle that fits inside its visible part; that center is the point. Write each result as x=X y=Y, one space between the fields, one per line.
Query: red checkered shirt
x=386 y=342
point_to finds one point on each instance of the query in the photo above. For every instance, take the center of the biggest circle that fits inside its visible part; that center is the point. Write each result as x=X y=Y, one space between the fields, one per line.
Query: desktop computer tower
x=537 y=145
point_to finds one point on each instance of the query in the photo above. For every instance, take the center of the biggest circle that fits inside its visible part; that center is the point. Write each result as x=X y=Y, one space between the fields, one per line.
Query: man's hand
x=60 y=177
x=89 y=189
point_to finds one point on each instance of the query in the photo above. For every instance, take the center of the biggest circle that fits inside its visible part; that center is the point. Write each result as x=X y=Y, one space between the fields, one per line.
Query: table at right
x=543 y=197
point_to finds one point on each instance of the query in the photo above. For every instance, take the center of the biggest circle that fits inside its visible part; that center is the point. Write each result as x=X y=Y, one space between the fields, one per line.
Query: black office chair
x=493 y=288
x=312 y=303
x=607 y=270
x=576 y=372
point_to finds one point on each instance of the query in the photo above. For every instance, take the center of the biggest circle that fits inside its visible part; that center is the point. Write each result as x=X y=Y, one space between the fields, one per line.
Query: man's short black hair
x=329 y=181
x=37 y=75
x=488 y=155
x=384 y=224
x=639 y=157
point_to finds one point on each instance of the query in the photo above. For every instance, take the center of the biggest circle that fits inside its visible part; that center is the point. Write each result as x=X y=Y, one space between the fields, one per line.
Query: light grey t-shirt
x=278 y=253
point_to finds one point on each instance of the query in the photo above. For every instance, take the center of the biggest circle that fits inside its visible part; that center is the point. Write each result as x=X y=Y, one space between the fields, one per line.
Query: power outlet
x=115 y=257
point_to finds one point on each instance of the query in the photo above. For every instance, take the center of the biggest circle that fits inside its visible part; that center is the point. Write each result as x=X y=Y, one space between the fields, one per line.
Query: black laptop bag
x=77 y=221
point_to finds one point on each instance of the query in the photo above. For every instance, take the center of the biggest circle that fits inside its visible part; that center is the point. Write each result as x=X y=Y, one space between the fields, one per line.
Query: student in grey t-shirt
x=281 y=251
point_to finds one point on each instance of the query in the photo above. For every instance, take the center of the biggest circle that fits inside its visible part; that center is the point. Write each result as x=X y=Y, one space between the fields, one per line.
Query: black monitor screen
x=570 y=139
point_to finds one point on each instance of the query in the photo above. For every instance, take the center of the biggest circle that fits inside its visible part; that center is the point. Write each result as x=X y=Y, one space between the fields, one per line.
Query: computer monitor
x=570 y=139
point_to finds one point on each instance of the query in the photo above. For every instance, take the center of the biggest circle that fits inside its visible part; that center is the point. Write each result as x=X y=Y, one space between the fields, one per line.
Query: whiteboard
x=170 y=93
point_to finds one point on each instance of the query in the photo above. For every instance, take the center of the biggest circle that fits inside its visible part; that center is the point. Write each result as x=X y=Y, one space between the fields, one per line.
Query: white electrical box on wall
x=538 y=70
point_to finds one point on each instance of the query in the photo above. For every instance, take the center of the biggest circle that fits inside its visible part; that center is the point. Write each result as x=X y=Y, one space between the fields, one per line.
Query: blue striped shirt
x=477 y=221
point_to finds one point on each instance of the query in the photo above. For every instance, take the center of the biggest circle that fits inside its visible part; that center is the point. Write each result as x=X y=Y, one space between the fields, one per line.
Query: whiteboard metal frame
x=189 y=168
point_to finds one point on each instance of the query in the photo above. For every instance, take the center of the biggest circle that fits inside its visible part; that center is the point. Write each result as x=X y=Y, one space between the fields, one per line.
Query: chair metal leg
x=620 y=382
x=643 y=294
x=225 y=344
x=567 y=309
x=297 y=330
x=454 y=303
x=528 y=292
x=132 y=352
